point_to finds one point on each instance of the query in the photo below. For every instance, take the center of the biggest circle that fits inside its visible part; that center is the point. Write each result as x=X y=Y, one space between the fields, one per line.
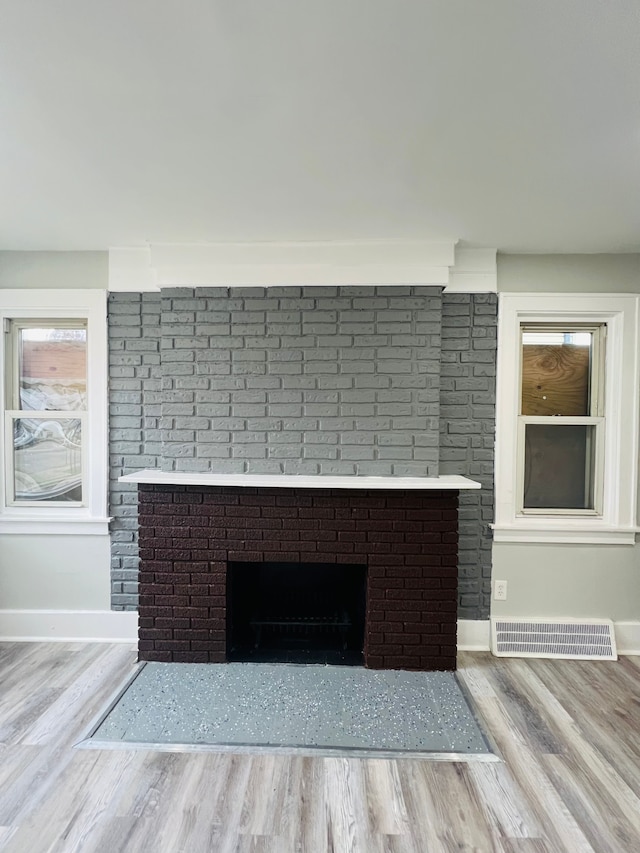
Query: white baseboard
x=627 y=637
x=111 y=626
x=474 y=635
x=91 y=626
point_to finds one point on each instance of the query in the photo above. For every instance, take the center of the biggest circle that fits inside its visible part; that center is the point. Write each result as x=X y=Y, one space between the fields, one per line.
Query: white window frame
x=89 y=516
x=615 y=523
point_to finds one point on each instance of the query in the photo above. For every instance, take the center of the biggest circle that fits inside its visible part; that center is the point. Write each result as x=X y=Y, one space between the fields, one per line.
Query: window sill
x=52 y=526
x=564 y=532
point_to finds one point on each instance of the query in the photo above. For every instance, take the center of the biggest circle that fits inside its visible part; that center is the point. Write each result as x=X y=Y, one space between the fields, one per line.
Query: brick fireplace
x=190 y=534
x=356 y=382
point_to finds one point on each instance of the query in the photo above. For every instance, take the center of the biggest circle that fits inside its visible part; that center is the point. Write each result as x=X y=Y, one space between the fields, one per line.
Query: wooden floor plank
x=462 y=821
x=264 y=796
x=167 y=799
x=615 y=794
x=506 y=810
x=525 y=845
x=603 y=822
x=523 y=710
x=84 y=692
x=568 y=780
x=5 y=834
x=57 y=811
x=311 y=805
x=25 y=773
x=564 y=832
x=349 y=827
x=385 y=802
x=614 y=734
x=418 y=786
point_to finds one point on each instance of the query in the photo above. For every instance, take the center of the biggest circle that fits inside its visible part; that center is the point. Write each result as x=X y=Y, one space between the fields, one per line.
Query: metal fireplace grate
x=582 y=639
x=300 y=626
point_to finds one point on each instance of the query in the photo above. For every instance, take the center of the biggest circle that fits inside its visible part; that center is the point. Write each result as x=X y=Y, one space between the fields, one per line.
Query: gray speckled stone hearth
x=289 y=706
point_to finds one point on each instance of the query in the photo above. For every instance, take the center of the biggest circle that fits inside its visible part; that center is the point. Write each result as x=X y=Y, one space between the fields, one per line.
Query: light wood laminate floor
x=568 y=733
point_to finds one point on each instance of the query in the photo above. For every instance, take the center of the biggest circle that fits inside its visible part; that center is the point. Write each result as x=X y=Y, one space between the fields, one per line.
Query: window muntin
x=561 y=429
x=46 y=379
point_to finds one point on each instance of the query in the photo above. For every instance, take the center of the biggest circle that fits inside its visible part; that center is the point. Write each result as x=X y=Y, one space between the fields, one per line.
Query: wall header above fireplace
x=461 y=269
x=299 y=481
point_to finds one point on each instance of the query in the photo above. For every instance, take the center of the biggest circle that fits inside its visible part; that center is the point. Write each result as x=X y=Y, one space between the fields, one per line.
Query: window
x=47 y=392
x=54 y=438
x=567 y=415
x=561 y=421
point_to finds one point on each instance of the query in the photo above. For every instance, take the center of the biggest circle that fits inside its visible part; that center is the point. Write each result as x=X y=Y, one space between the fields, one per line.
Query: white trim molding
x=110 y=626
x=333 y=263
x=474 y=271
x=617 y=523
x=627 y=637
x=90 y=626
x=474 y=635
x=566 y=531
x=130 y=270
x=299 y=481
x=52 y=526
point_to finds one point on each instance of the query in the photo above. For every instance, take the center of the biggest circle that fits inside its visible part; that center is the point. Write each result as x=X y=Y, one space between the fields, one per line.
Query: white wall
x=54 y=573
x=569 y=273
x=54 y=269
x=72 y=573
x=568 y=580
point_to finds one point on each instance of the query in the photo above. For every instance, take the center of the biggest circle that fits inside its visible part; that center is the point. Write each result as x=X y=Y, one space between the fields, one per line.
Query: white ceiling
x=505 y=123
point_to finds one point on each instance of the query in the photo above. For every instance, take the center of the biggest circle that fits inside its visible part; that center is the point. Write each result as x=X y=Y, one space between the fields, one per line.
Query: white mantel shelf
x=450 y=482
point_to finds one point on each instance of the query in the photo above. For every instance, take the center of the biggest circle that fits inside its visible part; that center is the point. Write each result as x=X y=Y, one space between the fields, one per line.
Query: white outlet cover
x=500 y=590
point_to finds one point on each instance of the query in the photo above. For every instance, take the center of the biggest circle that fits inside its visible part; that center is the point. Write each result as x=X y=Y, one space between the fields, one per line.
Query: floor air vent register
x=586 y=639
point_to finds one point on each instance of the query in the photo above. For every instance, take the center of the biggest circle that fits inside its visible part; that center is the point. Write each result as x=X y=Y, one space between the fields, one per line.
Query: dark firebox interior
x=296 y=612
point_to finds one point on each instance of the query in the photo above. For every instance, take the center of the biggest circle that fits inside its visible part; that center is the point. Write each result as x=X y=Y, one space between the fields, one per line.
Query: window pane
x=53 y=369
x=556 y=372
x=47 y=459
x=559 y=466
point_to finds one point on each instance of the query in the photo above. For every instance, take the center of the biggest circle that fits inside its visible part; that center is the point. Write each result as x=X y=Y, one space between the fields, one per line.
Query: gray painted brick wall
x=467 y=434
x=320 y=380
x=284 y=381
x=135 y=390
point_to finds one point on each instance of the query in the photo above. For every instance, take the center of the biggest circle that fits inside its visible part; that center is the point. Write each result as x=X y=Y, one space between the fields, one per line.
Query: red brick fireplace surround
x=189 y=534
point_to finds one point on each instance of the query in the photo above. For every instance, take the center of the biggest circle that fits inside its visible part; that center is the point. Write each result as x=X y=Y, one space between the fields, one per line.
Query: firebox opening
x=296 y=612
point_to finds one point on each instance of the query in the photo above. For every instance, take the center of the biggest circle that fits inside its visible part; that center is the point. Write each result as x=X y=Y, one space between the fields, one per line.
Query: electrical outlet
x=500 y=590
